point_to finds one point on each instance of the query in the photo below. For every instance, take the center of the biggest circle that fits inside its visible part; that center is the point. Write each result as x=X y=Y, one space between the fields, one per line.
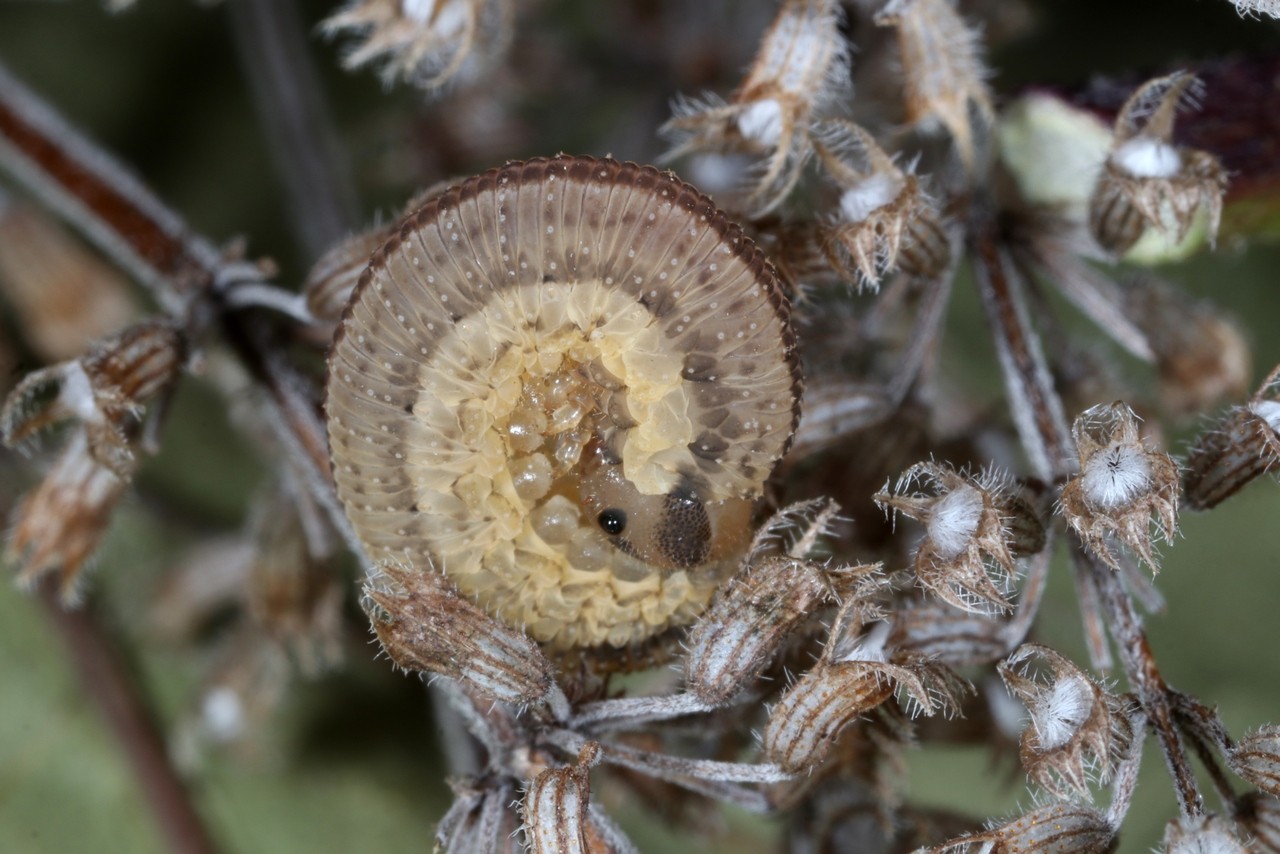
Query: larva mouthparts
x=563 y=383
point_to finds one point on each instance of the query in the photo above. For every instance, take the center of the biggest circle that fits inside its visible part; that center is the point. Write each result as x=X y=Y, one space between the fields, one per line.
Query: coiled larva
x=563 y=383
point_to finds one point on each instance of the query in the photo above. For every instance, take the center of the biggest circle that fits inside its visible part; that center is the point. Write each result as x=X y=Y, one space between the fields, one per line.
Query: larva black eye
x=613 y=521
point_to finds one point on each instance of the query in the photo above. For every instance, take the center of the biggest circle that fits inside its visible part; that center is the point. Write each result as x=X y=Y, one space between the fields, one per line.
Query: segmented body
x=563 y=383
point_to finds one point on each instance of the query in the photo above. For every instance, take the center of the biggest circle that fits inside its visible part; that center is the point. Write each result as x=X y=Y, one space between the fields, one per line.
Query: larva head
x=543 y=344
x=672 y=531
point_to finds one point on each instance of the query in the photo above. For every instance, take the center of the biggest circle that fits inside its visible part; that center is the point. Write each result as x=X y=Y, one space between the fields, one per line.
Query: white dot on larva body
x=712 y=268
x=652 y=217
x=360 y=339
x=686 y=318
x=453 y=236
x=400 y=318
x=637 y=279
x=719 y=336
x=417 y=262
x=662 y=277
x=444 y=298
x=431 y=280
x=631 y=253
x=551 y=229
x=608 y=280
x=551 y=265
x=387 y=303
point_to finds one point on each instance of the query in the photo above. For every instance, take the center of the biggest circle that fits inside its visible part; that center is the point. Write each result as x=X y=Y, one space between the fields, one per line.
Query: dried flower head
x=1078 y=730
x=944 y=78
x=801 y=66
x=941 y=633
x=294 y=595
x=557 y=812
x=856 y=673
x=1202 y=358
x=1122 y=485
x=882 y=221
x=1203 y=834
x=758 y=609
x=424 y=42
x=103 y=390
x=974 y=528
x=1243 y=446
x=425 y=626
x=59 y=525
x=1256 y=757
x=333 y=277
x=1058 y=828
x=1147 y=181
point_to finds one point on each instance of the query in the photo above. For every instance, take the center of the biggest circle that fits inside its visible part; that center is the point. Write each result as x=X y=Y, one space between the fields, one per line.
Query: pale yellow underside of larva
x=485 y=538
x=498 y=284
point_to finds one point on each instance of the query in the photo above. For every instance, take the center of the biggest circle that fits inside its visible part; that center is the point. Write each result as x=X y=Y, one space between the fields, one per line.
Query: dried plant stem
x=1042 y=425
x=102 y=675
x=1037 y=410
x=183 y=270
x=273 y=49
x=101 y=199
x=1143 y=675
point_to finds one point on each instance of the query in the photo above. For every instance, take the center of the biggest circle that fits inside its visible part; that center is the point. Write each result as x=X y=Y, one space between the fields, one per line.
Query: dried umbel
x=1231 y=454
x=1121 y=487
x=424 y=42
x=944 y=80
x=1050 y=829
x=974 y=529
x=1147 y=181
x=882 y=221
x=801 y=66
x=1078 y=730
x=563 y=384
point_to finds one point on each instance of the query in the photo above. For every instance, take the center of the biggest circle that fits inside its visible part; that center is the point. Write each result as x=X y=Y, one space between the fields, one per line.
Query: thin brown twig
x=273 y=49
x=103 y=676
x=1144 y=676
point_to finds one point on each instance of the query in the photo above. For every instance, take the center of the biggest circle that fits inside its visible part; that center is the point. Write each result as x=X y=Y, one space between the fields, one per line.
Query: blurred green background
x=348 y=762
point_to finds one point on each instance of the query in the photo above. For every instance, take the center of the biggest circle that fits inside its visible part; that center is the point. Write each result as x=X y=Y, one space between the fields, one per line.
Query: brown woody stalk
x=1041 y=424
x=103 y=676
